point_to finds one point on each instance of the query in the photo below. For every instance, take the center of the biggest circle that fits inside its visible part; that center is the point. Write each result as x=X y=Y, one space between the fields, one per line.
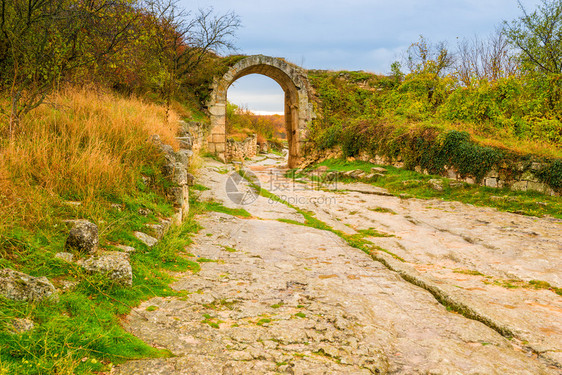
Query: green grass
x=81 y=332
x=401 y=182
x=219 y=207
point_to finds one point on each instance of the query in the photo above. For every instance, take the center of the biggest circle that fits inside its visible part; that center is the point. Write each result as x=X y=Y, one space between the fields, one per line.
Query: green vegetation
x=218 y=207
x=485 y=109
x=407 y=183
x=91 y=148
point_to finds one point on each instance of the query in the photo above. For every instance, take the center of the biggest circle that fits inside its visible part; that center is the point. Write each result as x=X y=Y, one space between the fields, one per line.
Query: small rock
x=114 y=264
x=456 y=184
x=72 y=203
x=67 y=285
x=435 y=184
x=378 y=170
x=357 y=173
x=67 y=257
x=322 y=169
x=127 y=249
x=83 y=237
x=159 y=230
x=117 y=207
x=20 y=325
x=144 y=211
x=146 y=239
x=19 y=286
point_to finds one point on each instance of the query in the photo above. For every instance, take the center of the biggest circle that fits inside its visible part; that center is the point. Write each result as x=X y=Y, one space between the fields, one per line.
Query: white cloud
x=356 y=34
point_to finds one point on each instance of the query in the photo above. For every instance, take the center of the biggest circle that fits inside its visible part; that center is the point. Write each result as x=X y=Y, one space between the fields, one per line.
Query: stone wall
x=518 y=176
x=199 y=134
x=298 y=108
x=248 y=148
x=177 y=166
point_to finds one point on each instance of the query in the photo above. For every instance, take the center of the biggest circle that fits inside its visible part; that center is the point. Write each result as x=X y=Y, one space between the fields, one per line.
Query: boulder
x=161 y=229
x=322 y=169
x=146 y=239
x=19 y=286
x=378 y=170
x=114 y=264
x=435 y=184
x=83 y=237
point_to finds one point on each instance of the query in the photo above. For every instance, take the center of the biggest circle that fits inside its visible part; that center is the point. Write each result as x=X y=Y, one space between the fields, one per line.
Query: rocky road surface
x=279 y=297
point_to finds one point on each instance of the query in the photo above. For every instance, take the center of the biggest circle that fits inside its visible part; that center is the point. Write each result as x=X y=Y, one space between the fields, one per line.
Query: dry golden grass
x=83 y=144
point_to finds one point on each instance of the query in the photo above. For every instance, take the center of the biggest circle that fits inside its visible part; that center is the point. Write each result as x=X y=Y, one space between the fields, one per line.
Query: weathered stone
x=183 y=157
x=125 y=248
x=146 y=239
x=456 y=184
x=20 y=325
x=322 y=169
x=114 y=264
x=436 y=184
x=451 y=173
x=180 y=174
x=67 y=257
x=185 y=142
x=378 y=170
x=491 y=182
x=19 y=286
x=144 y=211
x=537 y=186
x=72 y=203
x=117 y=207
x=159 y=229
x=493 y=173
x=519 y=186
x=83 y=237
x=298 y=109
x=190 y=179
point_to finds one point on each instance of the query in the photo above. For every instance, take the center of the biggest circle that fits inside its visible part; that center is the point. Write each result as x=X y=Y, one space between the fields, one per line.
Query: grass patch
x=401 y=182
x=219 y=207
x=382 y=210
x=90 y=148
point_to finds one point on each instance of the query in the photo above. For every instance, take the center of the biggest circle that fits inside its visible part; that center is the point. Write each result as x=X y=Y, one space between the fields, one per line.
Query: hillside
x=86 y=155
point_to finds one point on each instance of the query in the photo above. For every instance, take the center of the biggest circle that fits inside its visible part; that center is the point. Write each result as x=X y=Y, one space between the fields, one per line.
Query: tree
x=538 y=35
x=425 y=57
x=491 y=58
x=182 y=40
x=42 y=41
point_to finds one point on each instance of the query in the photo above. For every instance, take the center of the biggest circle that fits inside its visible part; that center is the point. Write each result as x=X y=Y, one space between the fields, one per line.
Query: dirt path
x=286 y=298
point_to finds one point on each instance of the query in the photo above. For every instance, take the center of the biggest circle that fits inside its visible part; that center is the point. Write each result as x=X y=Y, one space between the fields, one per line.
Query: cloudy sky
x=347 y=35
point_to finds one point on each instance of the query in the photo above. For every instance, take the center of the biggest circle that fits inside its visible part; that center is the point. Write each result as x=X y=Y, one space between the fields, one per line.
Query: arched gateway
x=298 y=111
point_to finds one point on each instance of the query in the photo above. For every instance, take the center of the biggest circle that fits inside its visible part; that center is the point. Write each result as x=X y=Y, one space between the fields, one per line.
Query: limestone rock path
x=277 y=297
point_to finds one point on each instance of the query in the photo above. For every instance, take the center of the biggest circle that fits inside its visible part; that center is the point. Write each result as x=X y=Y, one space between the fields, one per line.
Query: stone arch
x=293 y=81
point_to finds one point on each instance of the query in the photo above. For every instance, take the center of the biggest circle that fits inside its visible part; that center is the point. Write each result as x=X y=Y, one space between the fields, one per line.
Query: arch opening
x=292 y=80
x=259 y=100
